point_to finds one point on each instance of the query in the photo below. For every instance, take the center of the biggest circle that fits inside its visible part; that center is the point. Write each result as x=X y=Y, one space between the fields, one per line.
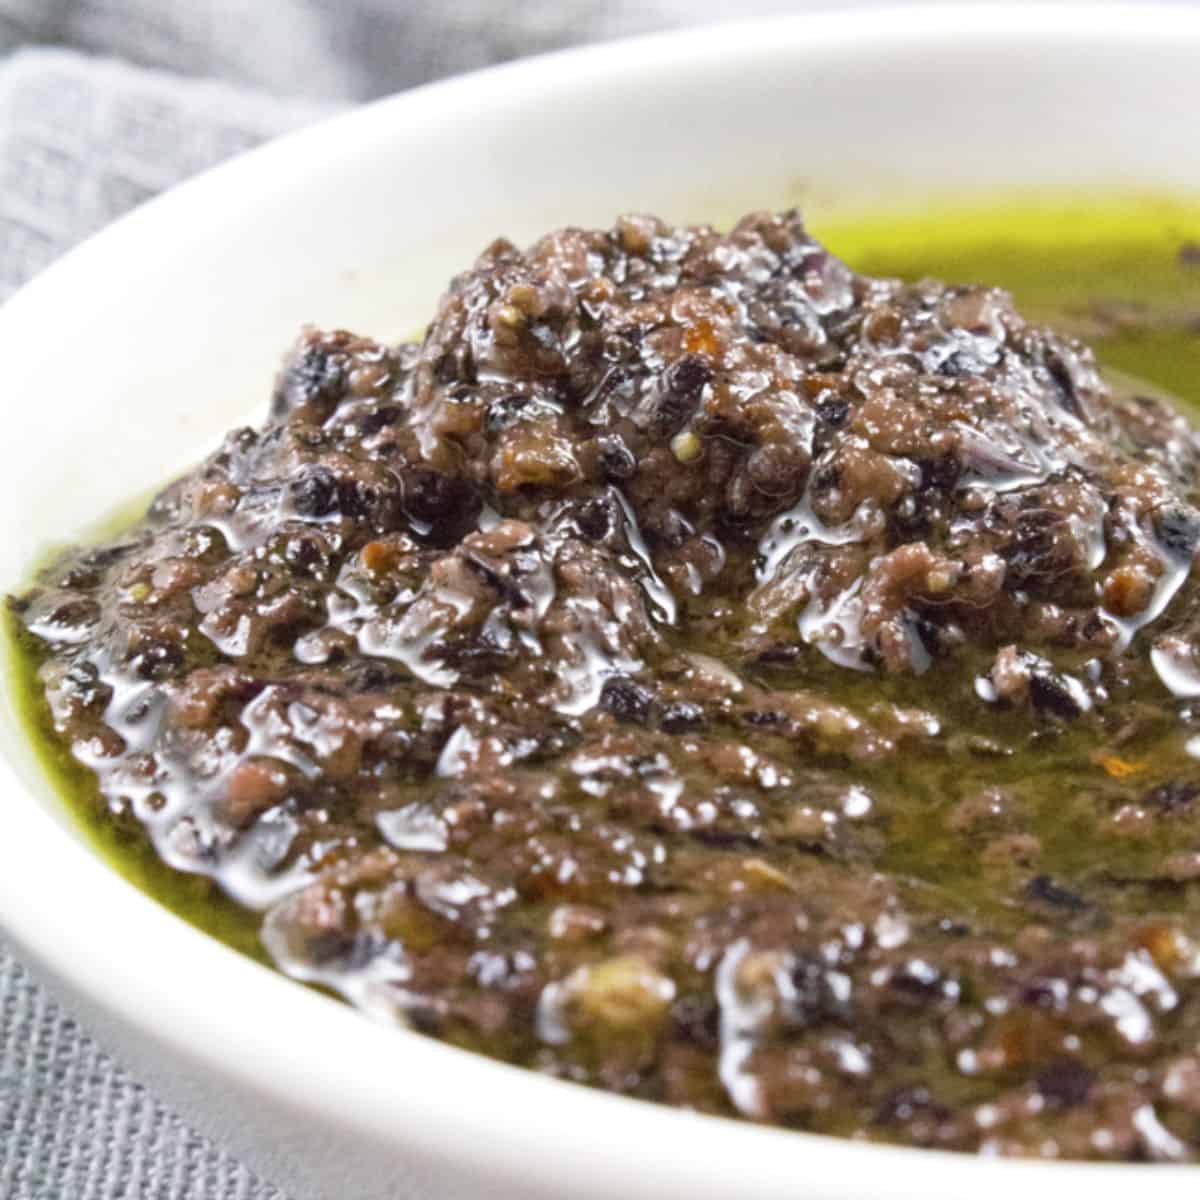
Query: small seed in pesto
x=686 y=446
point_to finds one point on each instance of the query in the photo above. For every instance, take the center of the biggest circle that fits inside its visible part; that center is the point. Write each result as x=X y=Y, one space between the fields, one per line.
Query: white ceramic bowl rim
x=216 y=1009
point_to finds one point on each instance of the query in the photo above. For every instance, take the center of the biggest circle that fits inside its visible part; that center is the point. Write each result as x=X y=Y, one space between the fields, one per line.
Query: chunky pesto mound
x=703 y=670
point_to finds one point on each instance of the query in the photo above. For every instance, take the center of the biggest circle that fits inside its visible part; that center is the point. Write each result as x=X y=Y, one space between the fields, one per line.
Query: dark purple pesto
x=698 y=671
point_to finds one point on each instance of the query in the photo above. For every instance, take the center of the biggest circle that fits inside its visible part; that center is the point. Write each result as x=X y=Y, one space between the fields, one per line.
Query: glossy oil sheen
x=1117 y=273
x=1113 y=274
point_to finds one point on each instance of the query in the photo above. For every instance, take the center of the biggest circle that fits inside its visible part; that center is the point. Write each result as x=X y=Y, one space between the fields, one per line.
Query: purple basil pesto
x=698 y=671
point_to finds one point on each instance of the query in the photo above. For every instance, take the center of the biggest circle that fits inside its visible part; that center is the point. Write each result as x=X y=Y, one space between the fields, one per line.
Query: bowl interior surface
x=133 y=356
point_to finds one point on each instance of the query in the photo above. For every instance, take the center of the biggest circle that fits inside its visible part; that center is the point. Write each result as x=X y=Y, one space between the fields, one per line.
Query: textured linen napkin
x=87 y=131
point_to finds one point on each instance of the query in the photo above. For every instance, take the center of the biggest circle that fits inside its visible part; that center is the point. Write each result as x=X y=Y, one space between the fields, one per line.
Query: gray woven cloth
x=102 y=104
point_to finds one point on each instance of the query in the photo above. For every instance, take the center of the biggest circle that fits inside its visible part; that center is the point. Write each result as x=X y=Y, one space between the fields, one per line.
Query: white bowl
x=130 y=357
